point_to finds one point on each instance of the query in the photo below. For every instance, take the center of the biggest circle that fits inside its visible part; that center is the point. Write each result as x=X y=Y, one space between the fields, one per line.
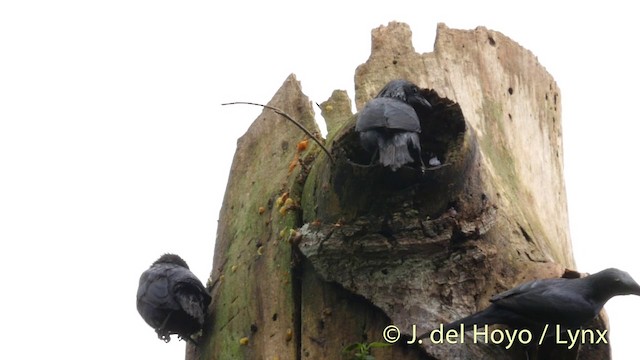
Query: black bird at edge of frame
x=567 y=303
x=171 y=299
x=389 y=125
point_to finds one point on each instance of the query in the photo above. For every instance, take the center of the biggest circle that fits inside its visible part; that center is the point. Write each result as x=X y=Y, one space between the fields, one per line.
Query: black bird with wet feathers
x=171 y=299
x=389 y=125
x=570 y=303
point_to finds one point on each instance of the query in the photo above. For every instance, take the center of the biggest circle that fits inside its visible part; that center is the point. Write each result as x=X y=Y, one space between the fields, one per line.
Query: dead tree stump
x=313 y=255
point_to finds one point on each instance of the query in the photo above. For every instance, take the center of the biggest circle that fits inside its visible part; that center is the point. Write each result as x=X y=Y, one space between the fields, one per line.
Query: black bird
x=389 y=124
x=171 y=299
x=570 y=303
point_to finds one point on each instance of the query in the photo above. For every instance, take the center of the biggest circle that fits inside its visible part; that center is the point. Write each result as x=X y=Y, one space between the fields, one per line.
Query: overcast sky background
x=114 y=148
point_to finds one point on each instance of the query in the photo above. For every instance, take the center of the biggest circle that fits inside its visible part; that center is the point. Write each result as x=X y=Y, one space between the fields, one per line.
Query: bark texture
x=356 y=248
x=255 y=306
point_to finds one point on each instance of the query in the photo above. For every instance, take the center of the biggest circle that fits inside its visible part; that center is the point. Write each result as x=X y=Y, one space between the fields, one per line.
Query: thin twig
x=286 y=116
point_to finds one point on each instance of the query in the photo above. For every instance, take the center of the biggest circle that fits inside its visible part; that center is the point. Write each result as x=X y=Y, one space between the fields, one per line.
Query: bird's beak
x=424 y=102
x=633 y=287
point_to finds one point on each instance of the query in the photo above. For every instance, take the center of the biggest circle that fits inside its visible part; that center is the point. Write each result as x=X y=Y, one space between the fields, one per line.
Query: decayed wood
x=357 y=248
x=434 y=249
x=254 y=312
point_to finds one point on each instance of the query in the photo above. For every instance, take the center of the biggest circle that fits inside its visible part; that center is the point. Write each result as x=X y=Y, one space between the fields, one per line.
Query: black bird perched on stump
x=171 y=299
x=567 y=303
x=389 y=124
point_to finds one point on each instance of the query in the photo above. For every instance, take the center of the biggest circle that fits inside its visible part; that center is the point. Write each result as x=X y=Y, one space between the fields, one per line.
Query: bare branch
x=286 y=116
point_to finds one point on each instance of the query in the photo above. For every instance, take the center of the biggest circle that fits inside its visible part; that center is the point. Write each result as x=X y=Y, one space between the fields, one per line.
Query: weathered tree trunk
x=357 y=248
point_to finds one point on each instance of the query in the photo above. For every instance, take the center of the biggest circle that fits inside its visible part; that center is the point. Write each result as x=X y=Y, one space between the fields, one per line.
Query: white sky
x=114 y=147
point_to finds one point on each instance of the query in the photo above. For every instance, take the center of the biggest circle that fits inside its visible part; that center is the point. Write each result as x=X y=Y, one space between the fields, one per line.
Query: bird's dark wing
x=190 y=293
x=154 y=289
x=192 y=304
x=535 y=285
x=388 y=113
x=549 y=301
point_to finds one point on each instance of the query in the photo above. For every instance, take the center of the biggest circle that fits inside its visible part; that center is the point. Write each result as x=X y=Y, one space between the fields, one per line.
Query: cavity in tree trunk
x=314 y=255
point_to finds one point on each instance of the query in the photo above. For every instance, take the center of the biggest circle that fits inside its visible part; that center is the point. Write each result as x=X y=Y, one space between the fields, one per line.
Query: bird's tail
x=395 y=151
x=480 y=319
